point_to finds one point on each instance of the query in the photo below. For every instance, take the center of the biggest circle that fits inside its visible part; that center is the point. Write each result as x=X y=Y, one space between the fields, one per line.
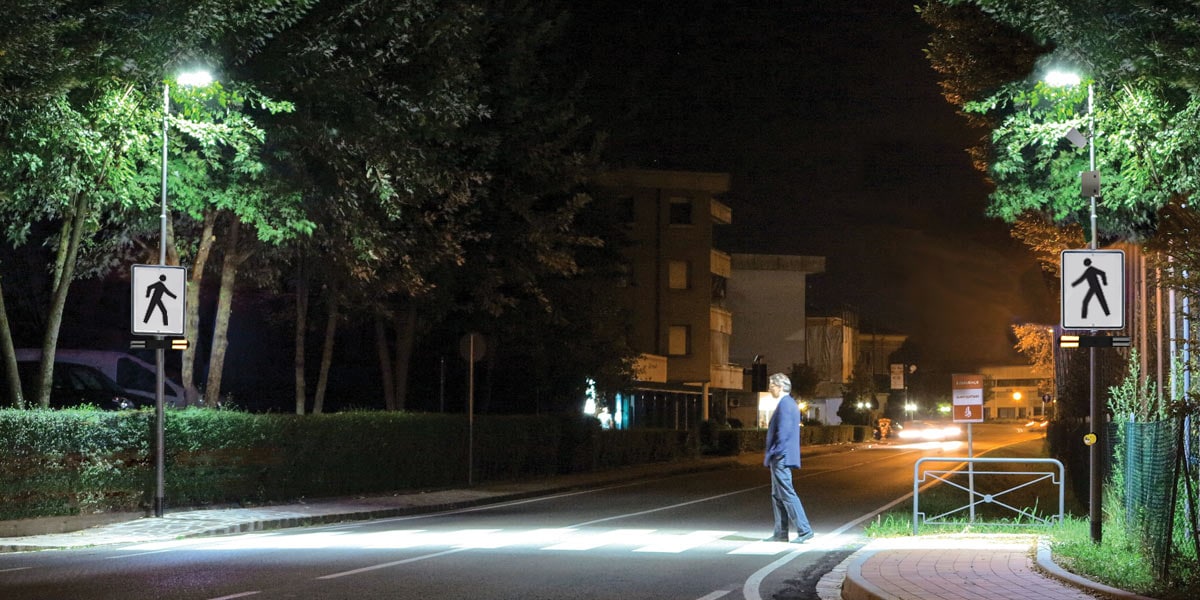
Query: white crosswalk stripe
x=567 y=539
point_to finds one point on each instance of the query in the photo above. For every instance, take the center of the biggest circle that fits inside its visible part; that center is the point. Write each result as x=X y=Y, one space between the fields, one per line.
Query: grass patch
x=1119 y=560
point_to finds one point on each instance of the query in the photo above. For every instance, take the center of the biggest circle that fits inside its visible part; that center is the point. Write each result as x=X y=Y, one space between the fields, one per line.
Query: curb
x=1045 y=562
x=855 y=586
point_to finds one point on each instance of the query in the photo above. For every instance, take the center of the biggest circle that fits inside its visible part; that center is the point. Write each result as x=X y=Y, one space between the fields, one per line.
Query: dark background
x=831 y=123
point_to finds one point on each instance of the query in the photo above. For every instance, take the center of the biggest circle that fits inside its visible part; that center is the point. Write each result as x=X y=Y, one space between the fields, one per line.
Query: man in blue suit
x=783 y=455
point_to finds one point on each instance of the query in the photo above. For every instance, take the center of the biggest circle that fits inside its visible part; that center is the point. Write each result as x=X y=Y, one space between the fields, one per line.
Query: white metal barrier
x=975 y=498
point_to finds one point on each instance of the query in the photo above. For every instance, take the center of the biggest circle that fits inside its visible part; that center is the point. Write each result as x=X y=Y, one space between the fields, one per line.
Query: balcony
x=726 y=377
x=650 y=367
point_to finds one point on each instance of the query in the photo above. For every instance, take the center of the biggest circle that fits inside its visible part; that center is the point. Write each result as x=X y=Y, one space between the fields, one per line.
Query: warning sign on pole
x=1093 y=289
x=158 y=294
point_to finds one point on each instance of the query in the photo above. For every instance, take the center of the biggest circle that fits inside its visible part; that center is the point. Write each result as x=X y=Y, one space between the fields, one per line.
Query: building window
x=681 y=211
x=680 y=340
x=677 y=276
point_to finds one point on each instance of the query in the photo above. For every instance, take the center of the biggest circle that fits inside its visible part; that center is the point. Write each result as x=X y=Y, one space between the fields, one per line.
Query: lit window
x=677 y=277
x=680 y=340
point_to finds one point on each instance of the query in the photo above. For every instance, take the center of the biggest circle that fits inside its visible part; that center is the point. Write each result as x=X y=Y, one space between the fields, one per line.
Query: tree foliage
x=1140 y=62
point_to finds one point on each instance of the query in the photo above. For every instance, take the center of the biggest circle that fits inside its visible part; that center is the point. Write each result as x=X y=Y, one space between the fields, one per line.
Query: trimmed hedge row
x=69 y=462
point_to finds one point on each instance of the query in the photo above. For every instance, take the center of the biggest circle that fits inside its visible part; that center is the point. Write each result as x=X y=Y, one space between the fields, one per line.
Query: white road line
x=241 y=595
x=750 y=589
x=392 y=564
x=679 y=543
x=591 y=542
x=661 y=508
x=14 y=569
x=715 y=595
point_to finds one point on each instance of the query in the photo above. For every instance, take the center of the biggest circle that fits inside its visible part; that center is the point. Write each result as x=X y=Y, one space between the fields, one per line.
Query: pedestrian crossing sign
x=1093 y=289
x=158 y=300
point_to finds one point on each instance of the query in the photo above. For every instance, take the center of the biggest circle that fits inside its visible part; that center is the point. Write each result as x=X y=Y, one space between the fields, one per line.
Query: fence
x=991 y=497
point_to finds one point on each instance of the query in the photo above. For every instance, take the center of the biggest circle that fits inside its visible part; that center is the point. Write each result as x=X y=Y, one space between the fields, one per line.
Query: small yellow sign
x=1089 y=439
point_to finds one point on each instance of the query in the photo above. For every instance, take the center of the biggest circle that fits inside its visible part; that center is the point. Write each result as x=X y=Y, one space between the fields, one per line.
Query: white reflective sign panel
x=1093 y=289
x=158 y=294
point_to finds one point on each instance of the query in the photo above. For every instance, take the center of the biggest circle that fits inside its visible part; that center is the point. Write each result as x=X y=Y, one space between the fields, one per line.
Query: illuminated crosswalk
x=647 y=541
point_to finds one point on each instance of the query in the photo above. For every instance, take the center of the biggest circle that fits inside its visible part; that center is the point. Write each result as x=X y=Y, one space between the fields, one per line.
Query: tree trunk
x=406 y=337
x=10 y=357
x=220 y=340
x=192 y=320
x=385 y=362
x=326 y=353
x=62 y=284
x=301 y=330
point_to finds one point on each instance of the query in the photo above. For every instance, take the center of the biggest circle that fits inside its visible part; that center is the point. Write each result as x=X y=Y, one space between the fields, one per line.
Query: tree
x=385 y=91
x=1144 y=74
x=804 y=380
x=75 y=108
x=73 y=160
x=223 y=180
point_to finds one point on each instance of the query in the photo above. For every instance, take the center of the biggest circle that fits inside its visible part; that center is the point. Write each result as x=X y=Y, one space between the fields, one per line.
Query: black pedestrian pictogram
x=1096 y=279
x=155 y=293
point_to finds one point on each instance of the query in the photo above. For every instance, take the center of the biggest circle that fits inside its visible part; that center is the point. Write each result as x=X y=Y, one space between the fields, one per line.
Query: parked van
x=136 y=376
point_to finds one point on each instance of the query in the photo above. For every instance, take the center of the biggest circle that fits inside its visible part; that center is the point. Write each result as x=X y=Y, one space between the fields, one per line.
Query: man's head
x=779 y=382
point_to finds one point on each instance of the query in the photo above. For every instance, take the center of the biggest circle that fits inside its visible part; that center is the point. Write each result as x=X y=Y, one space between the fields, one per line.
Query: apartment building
x=676 y=292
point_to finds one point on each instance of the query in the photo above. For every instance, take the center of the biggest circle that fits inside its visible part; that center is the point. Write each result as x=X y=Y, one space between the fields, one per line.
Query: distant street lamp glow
x=1058 y=78
x=199 y=78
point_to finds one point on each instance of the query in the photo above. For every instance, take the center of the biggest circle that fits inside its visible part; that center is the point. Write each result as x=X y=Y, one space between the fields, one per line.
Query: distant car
x=1035 y=425
x=74 y=386
x=137 y=377
x=930 y=431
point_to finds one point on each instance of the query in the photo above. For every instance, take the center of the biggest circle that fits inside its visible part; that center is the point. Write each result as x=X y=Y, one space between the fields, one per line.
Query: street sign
x=967 y=398
x=896 y=372
x=1093 y=289
x=158 y=299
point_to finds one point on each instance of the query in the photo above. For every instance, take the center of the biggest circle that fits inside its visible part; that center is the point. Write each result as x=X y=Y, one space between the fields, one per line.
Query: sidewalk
x=959 y=567
x=991 y=567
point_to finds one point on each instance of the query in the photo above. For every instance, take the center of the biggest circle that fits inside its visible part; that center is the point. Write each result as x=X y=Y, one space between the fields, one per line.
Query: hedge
x=70 y=462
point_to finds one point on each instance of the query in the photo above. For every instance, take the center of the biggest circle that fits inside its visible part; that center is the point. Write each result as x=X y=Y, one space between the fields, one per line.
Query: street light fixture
x=189 y=79
x=1066 y=79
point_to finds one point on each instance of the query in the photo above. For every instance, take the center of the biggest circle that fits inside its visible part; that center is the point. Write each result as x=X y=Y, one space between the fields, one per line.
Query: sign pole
x=160 y=354
x=971 y=470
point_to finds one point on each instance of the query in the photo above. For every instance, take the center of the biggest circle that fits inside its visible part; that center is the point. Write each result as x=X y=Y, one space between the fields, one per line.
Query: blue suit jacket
x=783 y=433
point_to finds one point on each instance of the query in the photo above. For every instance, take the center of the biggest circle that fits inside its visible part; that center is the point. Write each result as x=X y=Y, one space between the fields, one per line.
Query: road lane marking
x=678 y=543
x=394 y=563
x=591 y=542
x=716 y=594
x=232 y=596
x=14 y=569
x=672 y=506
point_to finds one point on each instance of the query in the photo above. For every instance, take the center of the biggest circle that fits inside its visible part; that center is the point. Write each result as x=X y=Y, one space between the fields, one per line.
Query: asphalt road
x=693 y=536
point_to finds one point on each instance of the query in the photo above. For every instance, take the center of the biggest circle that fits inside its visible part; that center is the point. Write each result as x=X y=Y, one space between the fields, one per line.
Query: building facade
x=676 y=293
x=1013 y=392
x=767 y=292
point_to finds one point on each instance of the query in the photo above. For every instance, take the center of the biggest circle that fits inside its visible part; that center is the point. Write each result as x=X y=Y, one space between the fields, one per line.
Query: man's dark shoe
x=775 y=539
x=804 y=537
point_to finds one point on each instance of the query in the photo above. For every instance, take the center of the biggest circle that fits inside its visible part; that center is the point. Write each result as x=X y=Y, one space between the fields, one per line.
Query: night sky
x=839 y=143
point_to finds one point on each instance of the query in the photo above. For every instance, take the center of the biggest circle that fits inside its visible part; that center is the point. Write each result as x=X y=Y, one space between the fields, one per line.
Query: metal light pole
x=1095 y=410
x=1095 y=456
x=160 y=354
x=194 y=78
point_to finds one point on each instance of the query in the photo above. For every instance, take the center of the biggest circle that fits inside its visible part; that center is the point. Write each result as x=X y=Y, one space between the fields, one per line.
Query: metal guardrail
x=976 y=498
